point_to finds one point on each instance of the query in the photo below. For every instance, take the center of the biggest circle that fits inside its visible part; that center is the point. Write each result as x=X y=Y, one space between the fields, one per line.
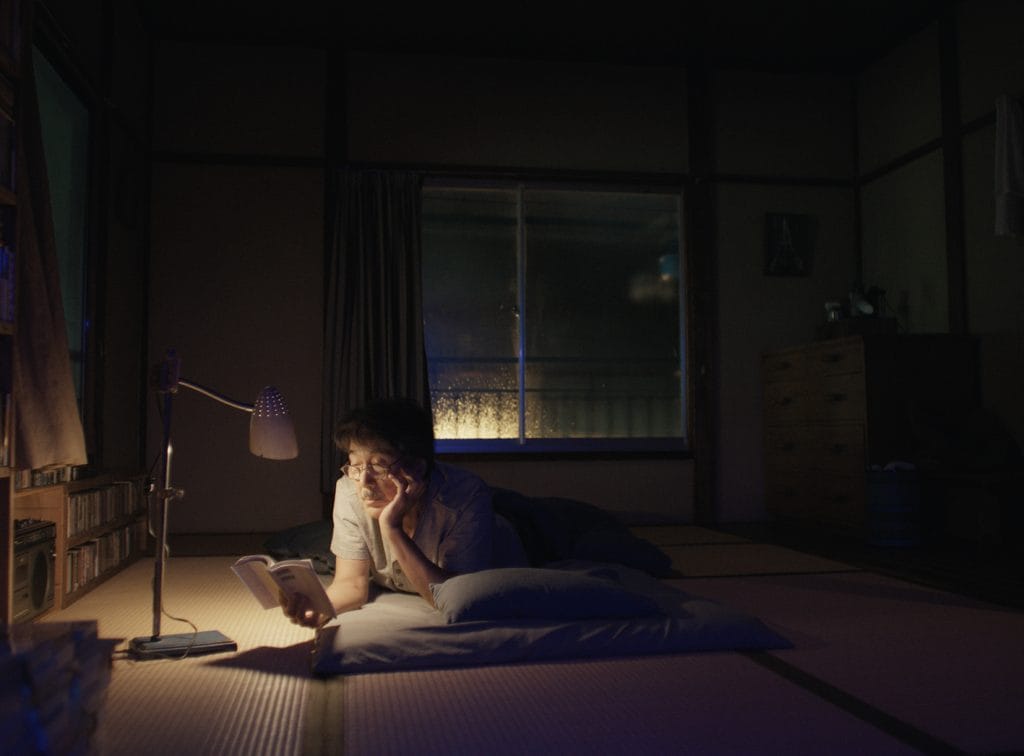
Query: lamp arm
x=168 y=388
x=215 y=395
x=271 y=435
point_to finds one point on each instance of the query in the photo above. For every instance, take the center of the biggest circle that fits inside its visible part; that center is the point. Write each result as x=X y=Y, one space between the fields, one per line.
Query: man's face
x=375 y=489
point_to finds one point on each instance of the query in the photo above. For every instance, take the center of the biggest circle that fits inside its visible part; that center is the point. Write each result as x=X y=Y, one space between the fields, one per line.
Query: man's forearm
x=419 y=570
x=348 y=593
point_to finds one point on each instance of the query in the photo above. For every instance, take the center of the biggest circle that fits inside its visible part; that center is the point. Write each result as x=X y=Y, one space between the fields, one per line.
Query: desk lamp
x=271 y=435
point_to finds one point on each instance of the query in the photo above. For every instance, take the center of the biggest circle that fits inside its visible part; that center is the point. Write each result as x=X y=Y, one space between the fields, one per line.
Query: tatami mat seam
x=888 y=723
x=779 y=573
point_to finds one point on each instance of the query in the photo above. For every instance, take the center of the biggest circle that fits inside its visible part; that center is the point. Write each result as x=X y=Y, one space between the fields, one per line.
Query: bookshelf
x=101 y=527
x=99 y=524
x=105 y=545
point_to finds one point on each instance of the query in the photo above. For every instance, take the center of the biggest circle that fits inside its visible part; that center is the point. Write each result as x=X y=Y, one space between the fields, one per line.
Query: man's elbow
x=360 y=592
x=347 y=594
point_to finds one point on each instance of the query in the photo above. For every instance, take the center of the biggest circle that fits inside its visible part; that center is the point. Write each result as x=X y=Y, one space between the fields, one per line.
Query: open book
x=267 y=579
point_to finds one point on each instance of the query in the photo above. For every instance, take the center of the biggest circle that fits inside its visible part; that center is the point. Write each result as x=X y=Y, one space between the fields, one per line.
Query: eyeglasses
x=356 y=471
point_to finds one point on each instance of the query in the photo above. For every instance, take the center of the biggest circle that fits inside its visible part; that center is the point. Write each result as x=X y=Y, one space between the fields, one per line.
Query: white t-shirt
x=454 y=530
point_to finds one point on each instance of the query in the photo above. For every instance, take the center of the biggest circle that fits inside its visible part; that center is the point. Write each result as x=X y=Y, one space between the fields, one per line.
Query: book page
x=298 y=576
x=252 y=570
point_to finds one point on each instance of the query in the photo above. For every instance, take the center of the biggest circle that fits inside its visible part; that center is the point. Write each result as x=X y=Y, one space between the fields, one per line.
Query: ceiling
x=798 y=34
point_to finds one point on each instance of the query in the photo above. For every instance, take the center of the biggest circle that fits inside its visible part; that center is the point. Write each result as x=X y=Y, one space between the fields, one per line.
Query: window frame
x=584 y=447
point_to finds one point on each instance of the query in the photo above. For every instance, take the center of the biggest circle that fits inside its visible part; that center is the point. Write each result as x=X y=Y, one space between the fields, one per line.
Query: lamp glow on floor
x=271 y=436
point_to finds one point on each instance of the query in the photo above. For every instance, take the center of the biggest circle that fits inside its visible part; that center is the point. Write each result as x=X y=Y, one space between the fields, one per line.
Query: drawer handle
x=838 y=448
x=786 y=401
x=832 y=357
x=837 y=397
x=788 y=446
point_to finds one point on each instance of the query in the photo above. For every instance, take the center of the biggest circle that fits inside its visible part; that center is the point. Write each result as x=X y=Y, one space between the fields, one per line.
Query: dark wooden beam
x=953 y=170
x=701 y=263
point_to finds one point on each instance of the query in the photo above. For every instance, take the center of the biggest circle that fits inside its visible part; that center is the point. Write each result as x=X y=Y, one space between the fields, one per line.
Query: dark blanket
x=309 y=541
x=553 y=529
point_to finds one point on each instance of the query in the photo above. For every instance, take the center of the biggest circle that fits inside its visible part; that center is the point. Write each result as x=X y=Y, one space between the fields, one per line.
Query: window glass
x=553 y=314
x=469 y=301
x=602 y=323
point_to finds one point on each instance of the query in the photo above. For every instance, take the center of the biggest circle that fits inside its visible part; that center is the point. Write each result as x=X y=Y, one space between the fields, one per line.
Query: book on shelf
x=268 y=579
x=7 y=282
x=7 y=422
x=95 y=557
x=91 y=508
x=44 y=476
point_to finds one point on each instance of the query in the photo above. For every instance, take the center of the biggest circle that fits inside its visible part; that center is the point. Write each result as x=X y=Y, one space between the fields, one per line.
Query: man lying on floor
x=421 y=529
x=400 y=518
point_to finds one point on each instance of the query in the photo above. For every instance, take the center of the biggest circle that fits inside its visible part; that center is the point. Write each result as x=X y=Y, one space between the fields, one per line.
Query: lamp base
x=183 y=644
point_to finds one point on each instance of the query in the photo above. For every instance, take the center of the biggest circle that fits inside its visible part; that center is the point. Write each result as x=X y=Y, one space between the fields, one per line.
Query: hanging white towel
x=1009 y=183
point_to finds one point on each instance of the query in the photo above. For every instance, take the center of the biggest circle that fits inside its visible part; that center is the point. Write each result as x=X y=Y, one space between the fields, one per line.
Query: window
x=66 y=141
x=554 y=318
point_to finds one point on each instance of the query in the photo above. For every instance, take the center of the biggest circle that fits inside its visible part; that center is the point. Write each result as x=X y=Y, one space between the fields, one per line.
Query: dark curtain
x=49 y=429
x=373 y=335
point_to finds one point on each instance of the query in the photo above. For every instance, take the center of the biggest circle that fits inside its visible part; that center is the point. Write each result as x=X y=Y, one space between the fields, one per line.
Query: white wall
x=904 y=243
x=436 y=110
x=236 y=273
x=903 y=212
x=784 y=125
x=898 y=103
x=780 y=128
x=990 y=40
x=216 y=99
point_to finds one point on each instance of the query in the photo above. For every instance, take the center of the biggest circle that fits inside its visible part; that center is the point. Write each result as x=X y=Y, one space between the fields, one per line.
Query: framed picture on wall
x=787 y=244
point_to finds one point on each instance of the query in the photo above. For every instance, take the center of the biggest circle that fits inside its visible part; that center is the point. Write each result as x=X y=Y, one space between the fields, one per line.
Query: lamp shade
x=271 y=430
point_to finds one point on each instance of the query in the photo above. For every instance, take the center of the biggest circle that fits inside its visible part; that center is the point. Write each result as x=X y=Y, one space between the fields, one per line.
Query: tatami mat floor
x=262 y=700
x=244 y=703
x=990 y=572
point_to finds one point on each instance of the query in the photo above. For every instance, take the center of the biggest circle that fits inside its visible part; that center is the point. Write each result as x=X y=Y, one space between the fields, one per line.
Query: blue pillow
x=510 y=593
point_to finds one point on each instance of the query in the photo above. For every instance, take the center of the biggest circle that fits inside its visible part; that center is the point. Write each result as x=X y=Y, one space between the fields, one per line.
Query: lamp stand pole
x=191 y=644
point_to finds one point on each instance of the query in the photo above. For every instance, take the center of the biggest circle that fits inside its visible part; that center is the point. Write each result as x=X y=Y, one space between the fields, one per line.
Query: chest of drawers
x=834 y=408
